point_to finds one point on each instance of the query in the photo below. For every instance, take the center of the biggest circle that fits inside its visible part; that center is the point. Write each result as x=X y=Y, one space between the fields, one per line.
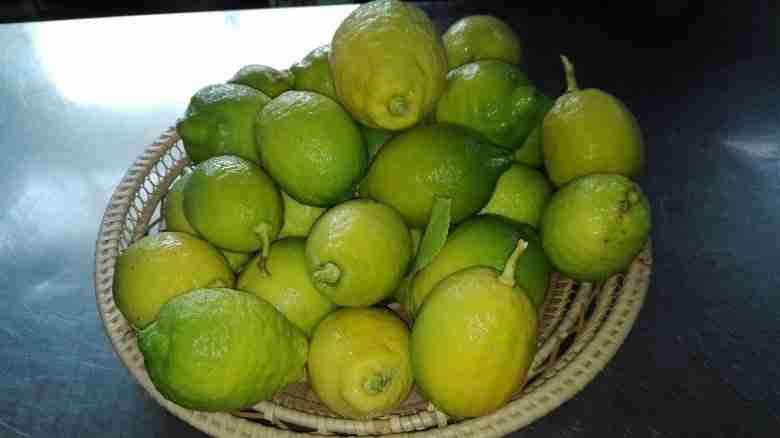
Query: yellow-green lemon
x=479 y=37
x=311 y=147
x=494 y=98
x=530 y=153
x=359 y=363
x=521 y=194
x=233 y=204
x=173 y=207
x=221 y=350
x=473 y=341
x=485 y=240
x=220 y=121
x=312 y=73
x=263 y=78
x=436 y=160
x=590 y=131
x=595 y=225
x=282 y=280
x=161 y=266
x=298 y=218
x=357 y=252
x=388 y=64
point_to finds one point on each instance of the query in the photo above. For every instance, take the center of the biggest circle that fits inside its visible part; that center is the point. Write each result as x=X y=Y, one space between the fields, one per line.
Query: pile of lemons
x=394 y=165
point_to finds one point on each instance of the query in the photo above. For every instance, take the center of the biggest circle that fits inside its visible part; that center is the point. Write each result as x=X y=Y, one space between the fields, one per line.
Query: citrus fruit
x=298 y=218
x=312 y=73
x=479 y=37
x=233 y=204
x=236 y=260
x=359 y=362
x=173 y=207
x=595 y=225
x=473 y=341
x=267 y=80
x=282 y=280
x=158 y=267
x=311 y=147
x=590 y=131
x=530 y=152
x=357 y=252
x=388 y=64
x=375 y=138
x=220 y=121
x=221 y=350
x=521 y=195
x=485 y=240
x=494 y=98
x=430 y=161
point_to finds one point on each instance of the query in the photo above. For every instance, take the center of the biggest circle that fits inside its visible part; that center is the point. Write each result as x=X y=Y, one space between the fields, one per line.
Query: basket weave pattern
x=582 y=327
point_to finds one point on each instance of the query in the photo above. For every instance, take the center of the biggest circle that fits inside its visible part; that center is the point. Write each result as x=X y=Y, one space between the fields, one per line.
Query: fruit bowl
x=581 y=328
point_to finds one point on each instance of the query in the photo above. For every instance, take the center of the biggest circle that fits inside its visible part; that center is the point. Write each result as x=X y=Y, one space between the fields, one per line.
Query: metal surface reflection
x=127 y=61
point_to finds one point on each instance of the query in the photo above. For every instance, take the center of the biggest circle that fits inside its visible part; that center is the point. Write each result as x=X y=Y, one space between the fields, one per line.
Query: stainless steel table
x=80 y=99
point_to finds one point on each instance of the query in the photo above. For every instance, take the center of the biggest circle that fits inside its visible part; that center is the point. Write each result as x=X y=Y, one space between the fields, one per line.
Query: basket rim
x=571 y=377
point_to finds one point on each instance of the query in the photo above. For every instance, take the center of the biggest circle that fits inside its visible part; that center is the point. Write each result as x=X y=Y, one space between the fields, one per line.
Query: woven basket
x=582 y=326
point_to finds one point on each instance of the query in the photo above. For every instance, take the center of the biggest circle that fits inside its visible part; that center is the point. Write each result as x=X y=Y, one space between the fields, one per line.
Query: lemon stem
x=508 y=276
x=263 y=231
x=398 y=106
x=571 y=79
x=329 y=273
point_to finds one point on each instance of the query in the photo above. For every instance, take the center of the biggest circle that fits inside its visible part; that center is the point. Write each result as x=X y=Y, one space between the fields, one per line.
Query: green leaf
x=435 y=233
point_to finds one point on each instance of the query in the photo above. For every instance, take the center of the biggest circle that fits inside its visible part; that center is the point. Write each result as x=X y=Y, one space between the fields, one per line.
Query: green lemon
x=473 y=341
x=267 y=80
x=220 y=121
x=357 y=252
x=590 y=131
x=521 y=194
x=479 y=37
x=221 y=350
x=311 y=147
x=236 y=260
x=530 y=152
x=359 y=363
x=282 y=280
x=595 y=225
x=388 y=64
x=430 y=161
x=375 y=138
x=161 y=266
x=485 y=240
x=312 y=73
x=298 y=218
x=233 y=204
x=494 y=98
x=173 y=207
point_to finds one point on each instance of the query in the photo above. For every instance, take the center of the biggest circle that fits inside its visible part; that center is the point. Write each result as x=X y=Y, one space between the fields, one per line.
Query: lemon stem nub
x=571 y=80
x=376 y=384
x=508 y=276
x=397 y=106
x=329 y=274
x=263 y=232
